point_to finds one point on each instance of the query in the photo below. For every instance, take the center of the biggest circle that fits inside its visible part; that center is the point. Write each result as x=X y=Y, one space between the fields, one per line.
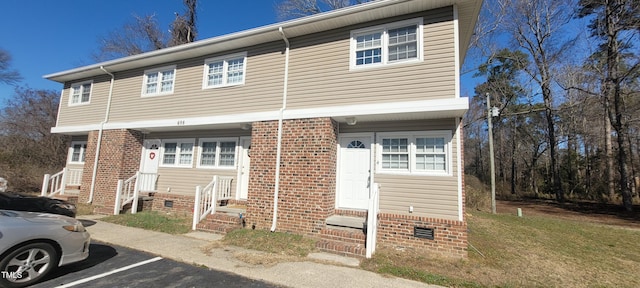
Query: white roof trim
x=423 y=109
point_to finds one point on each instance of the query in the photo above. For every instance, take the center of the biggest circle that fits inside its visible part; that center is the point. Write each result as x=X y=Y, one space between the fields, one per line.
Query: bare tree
x=536 y=26
x=7 y=75
x=143 y=34
x=29 y=149
x=183 y=29
x=612 y=19
x=289 y=9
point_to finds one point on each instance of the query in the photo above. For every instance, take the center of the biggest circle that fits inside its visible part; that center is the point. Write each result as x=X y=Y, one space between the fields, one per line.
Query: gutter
x=280 y=119
x=106 y=119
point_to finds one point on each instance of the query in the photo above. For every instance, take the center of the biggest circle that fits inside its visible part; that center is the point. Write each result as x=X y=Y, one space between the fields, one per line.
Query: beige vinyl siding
x=320 y=73
x=430 y=196
x=262 y=90
x=183 y=181
x=85 y=114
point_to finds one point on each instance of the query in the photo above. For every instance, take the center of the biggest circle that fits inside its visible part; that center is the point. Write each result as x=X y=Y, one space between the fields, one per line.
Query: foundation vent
x=423 y=232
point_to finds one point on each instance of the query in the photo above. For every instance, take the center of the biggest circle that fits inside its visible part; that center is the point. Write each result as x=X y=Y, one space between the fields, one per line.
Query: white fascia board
x=438 y=105
x=195 y=121
x=381 y=108
x=75 y=129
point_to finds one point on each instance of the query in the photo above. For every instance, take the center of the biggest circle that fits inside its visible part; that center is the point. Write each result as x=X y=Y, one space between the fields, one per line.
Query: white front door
x=354 y=172
x=243 y=170
x=149 y=164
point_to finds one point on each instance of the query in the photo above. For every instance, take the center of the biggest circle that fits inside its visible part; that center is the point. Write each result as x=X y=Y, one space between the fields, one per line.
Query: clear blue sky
x=48 y=36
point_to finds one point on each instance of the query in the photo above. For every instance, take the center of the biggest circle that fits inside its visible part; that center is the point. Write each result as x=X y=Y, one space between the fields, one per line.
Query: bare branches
x=290 y=9
x=7 y=75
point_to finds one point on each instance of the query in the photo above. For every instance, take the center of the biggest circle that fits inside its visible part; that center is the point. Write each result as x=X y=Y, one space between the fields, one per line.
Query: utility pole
x=490 y=114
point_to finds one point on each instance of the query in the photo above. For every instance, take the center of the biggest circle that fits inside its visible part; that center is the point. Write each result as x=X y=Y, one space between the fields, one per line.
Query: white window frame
x=81 y=86
x=225 y=70
x=178 y=142
x=158 y=72
x=411 y=137
x=83 y=151
x=384 y=29
x=217 y=153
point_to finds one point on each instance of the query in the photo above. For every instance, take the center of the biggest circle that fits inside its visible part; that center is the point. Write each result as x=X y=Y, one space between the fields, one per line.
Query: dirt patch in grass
x=269 y=248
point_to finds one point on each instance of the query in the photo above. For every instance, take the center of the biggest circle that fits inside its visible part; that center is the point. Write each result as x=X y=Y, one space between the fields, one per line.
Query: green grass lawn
x=152 y=220
x=505 y=251
x=526 y=252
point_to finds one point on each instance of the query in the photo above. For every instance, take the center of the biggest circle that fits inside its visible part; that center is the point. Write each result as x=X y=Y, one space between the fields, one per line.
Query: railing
x=54 y=184
x=372 y=220
x=206 y=198
x=147 y=182
x=127 y=192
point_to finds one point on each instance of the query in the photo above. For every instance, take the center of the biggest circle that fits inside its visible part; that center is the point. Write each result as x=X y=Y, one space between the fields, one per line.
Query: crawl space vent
x=423 y=232
x=168 y=203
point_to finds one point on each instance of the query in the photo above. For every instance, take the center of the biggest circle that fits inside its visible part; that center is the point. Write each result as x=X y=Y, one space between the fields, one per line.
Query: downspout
x=106 y=118
x=280 y=118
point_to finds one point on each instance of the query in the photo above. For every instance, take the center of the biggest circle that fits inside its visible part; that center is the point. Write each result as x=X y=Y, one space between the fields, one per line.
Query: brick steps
x=220 y=222
x=338 y=238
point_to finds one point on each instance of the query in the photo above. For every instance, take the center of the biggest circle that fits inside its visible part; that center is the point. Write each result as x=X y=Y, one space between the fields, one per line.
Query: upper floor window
x=415 y=152
x=224 y=71
x=77 y=152
x=217 y=153
x=387 y=44
x=177 y=152
x=159 y=81
x=80 y=93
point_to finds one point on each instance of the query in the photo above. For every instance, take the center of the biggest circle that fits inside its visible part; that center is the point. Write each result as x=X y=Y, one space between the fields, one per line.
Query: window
x=415 y=152
x=77 y=152
x=159 y=81
x=387 y=44
x=177 y=153
x=80 y=93
x=224 y=71
x=217 y=153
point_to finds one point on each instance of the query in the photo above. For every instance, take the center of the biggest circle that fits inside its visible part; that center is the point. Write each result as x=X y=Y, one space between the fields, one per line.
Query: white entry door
x=354 y=172
x=243 y=171
x=149 y=164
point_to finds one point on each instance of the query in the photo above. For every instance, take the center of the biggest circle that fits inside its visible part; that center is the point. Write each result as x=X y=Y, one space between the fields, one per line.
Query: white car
x=32 y=244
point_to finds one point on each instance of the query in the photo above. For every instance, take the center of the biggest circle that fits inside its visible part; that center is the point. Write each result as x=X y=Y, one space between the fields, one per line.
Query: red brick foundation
x=182 y=204
x=119 y=159
x=450 y=237
x=307 y=175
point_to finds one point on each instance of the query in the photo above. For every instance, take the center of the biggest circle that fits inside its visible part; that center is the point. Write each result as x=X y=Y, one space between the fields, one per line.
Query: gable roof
x=468 y=11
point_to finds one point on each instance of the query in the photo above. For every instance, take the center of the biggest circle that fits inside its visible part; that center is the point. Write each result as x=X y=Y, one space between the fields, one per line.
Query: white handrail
x=372 y=220
x=54 y=184
x=127 y=192
x=206 y=198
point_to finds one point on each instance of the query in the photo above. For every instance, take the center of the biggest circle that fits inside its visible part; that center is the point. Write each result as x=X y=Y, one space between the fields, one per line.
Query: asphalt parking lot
x=115 y=266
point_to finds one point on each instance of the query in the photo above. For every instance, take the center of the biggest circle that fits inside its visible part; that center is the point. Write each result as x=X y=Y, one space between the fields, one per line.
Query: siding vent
x=423 y=232
x=168 y=203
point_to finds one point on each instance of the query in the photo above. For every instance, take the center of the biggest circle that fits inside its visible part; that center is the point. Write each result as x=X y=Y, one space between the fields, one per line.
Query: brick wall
x=182 y=204
x=119 y=159
x=307 y=175
x=450 y=237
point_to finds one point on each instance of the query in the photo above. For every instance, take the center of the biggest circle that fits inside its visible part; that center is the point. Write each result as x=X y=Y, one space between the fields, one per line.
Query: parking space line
x=109 y=273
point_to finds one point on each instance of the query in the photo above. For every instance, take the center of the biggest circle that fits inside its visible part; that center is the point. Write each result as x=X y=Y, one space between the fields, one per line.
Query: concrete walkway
x=200 y=248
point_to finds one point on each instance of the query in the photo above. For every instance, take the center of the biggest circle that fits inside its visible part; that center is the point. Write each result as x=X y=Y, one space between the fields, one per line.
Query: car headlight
x=74 y=228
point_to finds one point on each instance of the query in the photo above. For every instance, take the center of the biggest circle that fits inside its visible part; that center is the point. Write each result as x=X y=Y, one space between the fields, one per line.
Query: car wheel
x=27 y=264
